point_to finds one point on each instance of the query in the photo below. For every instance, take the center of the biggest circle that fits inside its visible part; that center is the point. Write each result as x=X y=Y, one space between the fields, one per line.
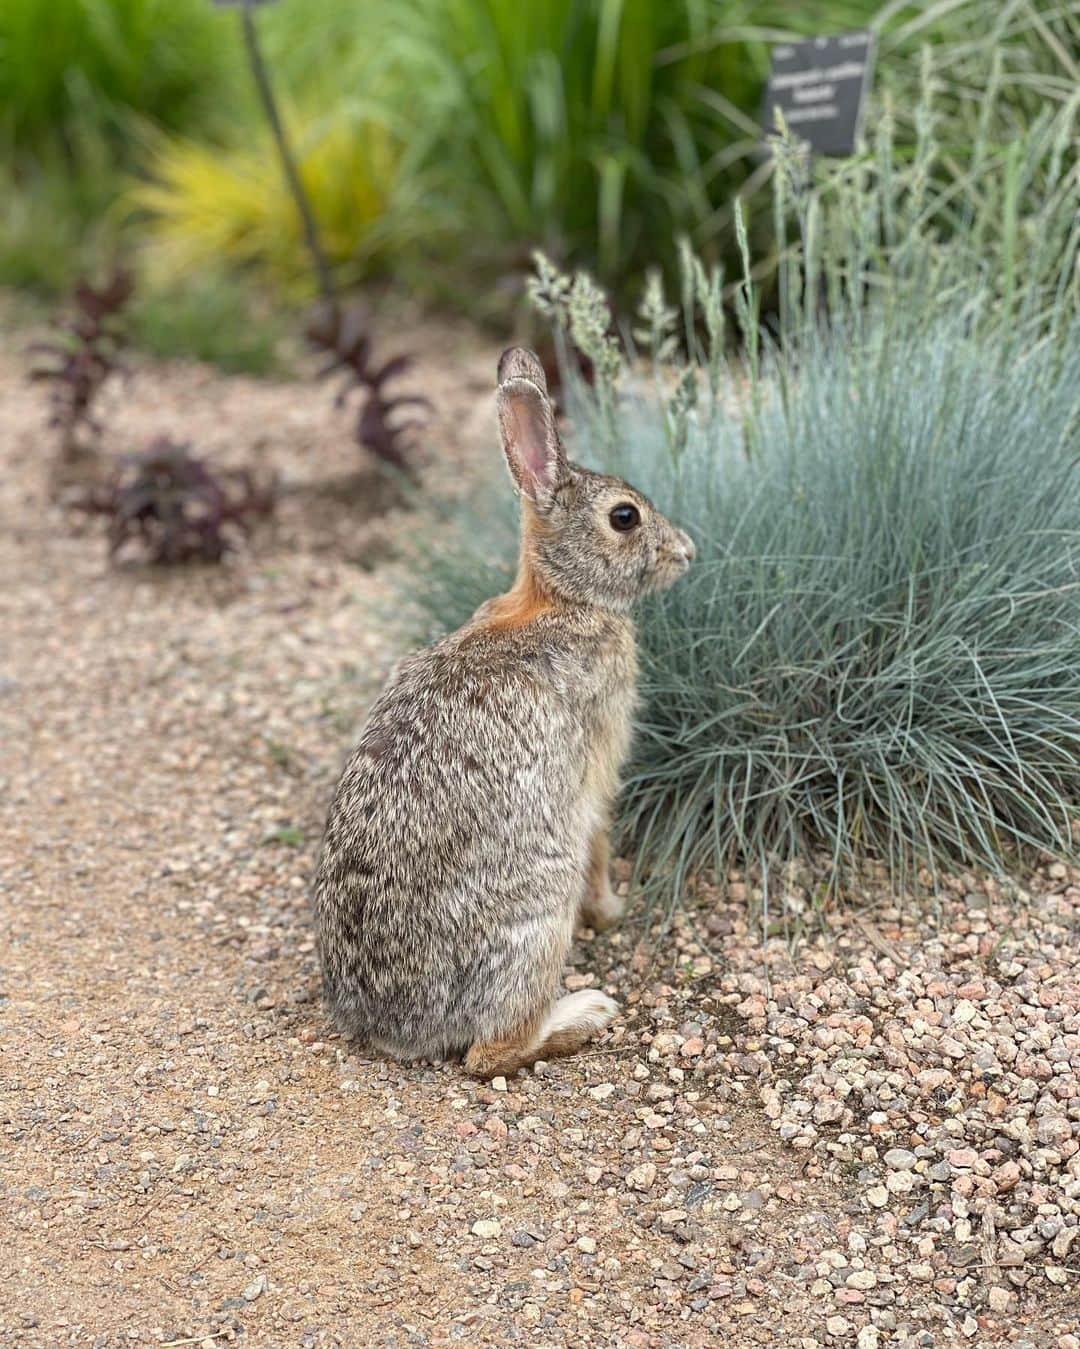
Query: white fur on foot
x=588 y=1011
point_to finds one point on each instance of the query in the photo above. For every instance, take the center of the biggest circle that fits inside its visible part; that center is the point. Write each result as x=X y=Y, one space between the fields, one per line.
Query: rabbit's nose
x=686 y=543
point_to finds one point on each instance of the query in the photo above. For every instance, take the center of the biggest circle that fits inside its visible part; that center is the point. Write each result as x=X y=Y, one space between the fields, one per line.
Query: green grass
x=874 y=655
x=1004 y=85
x=57 y=221
x=67 y=64
x=214 y=317
x=1035 y=44
x=598 y=131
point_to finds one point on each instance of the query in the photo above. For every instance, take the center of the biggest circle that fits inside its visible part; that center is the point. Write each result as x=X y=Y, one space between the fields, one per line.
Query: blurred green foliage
x=443 y=140
x=70 y=65
x=212 y=316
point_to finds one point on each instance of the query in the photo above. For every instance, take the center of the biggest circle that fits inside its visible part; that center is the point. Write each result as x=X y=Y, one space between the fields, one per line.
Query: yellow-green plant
x=206 y=205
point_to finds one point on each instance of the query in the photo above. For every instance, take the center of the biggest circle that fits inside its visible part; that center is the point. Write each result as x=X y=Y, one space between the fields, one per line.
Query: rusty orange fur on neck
x=522 y=603
x=527 y=598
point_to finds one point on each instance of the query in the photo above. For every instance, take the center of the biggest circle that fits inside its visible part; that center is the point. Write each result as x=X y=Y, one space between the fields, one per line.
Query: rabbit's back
x=456 y=842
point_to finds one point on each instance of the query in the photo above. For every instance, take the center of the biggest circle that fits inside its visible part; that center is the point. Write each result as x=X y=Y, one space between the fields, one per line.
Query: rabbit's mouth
x=671 y=564
x=677 y=558
x=686 y=549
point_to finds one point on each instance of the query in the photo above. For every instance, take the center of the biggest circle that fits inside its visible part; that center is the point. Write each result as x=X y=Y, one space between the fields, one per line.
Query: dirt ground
x=188 y=1155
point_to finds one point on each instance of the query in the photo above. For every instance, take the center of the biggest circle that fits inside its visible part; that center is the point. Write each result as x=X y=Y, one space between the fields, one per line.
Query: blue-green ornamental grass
x=877 y=652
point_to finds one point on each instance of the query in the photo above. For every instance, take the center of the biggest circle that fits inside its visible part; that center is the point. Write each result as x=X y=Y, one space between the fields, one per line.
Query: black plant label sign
x=820 y=86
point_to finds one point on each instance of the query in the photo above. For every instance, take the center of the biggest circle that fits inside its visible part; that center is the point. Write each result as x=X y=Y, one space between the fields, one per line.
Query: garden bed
x=867 y=1136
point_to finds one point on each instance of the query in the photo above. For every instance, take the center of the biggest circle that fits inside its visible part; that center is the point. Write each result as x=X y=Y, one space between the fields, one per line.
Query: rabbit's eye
x=624 y=517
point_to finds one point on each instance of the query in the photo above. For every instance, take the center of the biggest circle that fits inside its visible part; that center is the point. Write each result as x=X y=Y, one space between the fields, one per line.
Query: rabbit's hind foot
x=571 y=1023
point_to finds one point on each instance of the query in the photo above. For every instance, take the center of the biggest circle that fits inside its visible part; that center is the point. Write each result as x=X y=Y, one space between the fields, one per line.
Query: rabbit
x=469 y=829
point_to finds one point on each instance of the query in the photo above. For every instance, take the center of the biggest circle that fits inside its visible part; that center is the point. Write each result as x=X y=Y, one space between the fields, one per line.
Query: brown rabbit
x=469 y=829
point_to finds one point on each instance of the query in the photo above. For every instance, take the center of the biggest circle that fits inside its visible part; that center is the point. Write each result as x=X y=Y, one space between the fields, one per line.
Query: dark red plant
x=345 y=337
x=81 y=358
x=176 y=506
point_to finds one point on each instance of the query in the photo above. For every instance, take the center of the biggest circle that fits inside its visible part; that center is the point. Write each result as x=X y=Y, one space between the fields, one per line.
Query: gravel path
x=867 y=1136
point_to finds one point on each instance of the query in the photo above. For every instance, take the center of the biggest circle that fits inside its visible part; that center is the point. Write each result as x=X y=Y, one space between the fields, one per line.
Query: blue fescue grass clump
x=877 y=650
x=877 y=653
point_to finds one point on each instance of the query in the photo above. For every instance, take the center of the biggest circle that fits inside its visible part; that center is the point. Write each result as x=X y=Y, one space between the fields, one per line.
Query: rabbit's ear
x=530 y=440
x=521 y=363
